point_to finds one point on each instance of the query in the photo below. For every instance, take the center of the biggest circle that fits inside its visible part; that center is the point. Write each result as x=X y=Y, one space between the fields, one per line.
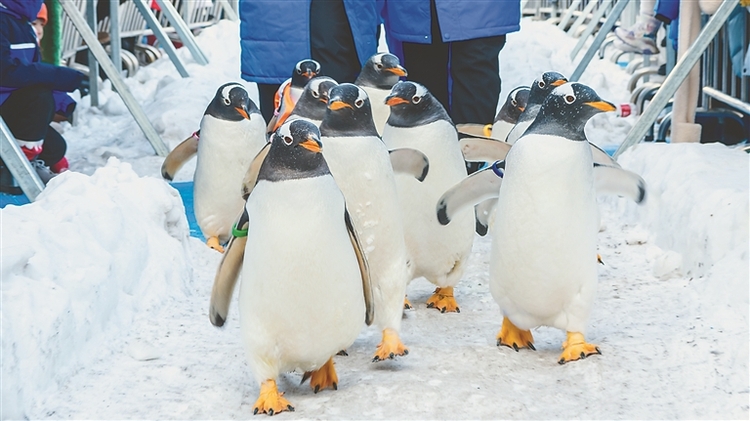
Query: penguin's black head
x=295 y=153
x=313 y=102
x=567 y=109
x=514 y=105
x=304 y=70
x=544 y=85
x=381 y=71
x=413 y=105
x=232 y=103
x=348 y=113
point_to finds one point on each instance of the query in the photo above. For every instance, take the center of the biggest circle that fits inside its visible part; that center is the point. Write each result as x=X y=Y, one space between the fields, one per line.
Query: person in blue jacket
x=274 y=35
x=452 y=47
x=27 y=101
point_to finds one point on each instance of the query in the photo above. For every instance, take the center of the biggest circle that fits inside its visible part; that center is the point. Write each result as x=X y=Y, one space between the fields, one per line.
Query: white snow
x=105 y=297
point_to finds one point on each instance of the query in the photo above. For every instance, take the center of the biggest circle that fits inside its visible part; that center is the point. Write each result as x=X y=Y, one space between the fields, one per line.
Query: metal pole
x=18 y=165
x=230 y=13
x=590 y=28
x=114 y=33
x=93 y=65
x=183 y=31
x=582 y=17
x=164 y=40
x=677 y=76
x=117 y=81
x=568 y=14
x=599 y=39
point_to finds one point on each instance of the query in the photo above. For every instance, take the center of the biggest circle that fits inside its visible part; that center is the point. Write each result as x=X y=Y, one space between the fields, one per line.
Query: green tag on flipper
x=238 y=232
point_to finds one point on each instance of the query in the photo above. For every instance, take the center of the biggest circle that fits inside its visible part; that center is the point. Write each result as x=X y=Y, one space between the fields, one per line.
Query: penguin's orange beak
x=400 y=71
x=394 y=100
x=559 y=82
x=338 y=104
x=521 y=108
x=312 y=145
x=242 y=112
x=602 y=105
x=310 y=74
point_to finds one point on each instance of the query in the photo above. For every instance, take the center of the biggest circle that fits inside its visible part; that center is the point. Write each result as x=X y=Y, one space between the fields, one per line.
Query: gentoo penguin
x=232 y=132
x=299 y=302
x=509 y=113
x=313 y=102
x=542 y=270
x=290 y=91
x=378 y=75
x=539 y=90
x=359 y=161
x=437 y=252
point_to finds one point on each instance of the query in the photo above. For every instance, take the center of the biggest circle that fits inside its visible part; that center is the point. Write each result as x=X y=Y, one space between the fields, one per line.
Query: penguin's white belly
x=225 y=151
x=438 y=252
x=301 y=297
x=518 y=130
x=543 y=267
x=500 y=130
x=380 y=111
x=362 y=169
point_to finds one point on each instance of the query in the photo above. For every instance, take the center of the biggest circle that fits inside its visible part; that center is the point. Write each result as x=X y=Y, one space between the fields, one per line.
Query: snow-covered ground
x=105 y=297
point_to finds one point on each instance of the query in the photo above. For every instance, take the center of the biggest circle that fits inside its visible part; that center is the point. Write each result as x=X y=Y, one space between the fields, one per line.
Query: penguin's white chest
x=500 y=130
x=437 y=251
x=301 y=297
x=380 y=111
x=543 y=267
x=225 y=151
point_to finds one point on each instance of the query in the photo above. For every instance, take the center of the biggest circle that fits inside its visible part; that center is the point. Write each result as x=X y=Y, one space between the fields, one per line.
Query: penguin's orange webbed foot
x=322 y=378
x=213 y=242
x=513 y=337
x=443 y=300
x=390 y=347
x=270 y=400
x=576 y=348
x=407 y=304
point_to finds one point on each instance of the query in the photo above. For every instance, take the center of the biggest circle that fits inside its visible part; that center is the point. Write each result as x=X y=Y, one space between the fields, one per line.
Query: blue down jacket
x=409 y=20
x=275 y=35
x=20 y=58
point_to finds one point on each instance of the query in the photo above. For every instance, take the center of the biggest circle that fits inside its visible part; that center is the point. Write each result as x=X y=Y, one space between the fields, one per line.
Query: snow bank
x=697 y=201
x=77 y=265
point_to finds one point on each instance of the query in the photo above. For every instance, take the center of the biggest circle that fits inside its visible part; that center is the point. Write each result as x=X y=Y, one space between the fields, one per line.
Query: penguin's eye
x=569 y=99
x=227 y=101
x=315 y=94
x=416 y=98
x=359 y=103
x=513 y=102
x=379 y=66
x=542 y=84
x=287 y=140
x=299 y=71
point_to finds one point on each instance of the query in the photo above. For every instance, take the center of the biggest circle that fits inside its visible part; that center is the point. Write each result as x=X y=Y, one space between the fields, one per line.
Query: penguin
x=509 y=113
x=378 y=75
x=290 y=91
x=313 y=102
x=232 y=132
x=360 y=163
x=438 y=253
x=299 y=302
x=544 y=236
x=539 y=90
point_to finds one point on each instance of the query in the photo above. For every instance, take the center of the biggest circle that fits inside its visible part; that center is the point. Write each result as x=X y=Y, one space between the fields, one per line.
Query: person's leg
x=53 y=150
x=475 y=71
x=266 y=93
x=331 y=41
x=28 y=112
x=641 y=36
x=427 y=64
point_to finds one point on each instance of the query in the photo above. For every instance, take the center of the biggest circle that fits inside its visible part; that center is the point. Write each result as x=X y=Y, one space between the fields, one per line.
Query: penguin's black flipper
x=364 y=269
x=482 y=149
x=228 y=272
x=251 y=177
x=410 y=161
x=478 y=187
x=179 y=156
x=615 y=180
x=483 y=211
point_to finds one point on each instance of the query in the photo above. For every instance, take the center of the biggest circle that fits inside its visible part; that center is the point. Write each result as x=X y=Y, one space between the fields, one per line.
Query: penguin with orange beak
x=377 y=77
x=539 y=91
x=291 y=90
